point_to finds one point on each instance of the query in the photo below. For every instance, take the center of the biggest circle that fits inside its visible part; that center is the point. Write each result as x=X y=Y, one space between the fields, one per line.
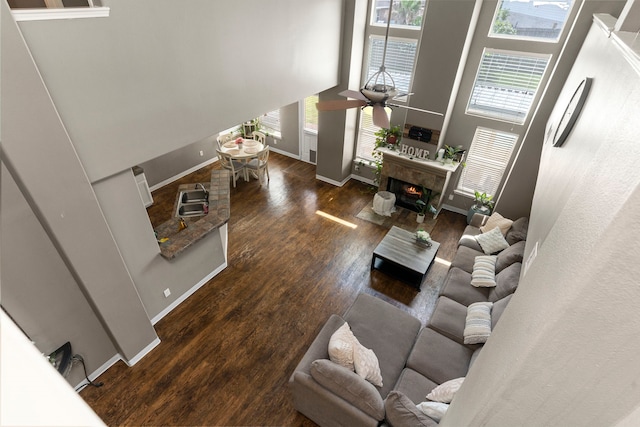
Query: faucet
x=203 y=189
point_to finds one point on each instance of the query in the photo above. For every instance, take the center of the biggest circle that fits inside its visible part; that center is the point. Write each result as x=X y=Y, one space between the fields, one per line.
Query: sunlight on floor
x=443 y=262
x=336 y=219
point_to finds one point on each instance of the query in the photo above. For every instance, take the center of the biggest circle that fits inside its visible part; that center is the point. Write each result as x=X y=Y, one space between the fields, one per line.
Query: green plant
x=452 y=152
x=423 y=205
x=484 y=199
x=388 y=137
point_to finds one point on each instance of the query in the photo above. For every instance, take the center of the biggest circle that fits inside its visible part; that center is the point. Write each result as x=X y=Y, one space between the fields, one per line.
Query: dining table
x=244 y=152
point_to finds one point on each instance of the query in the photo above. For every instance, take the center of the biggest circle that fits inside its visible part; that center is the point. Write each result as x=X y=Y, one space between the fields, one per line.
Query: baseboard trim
x=363 y=179
x=331 y=181
x=135 y=359
x=183 y=174
x=284 y=153
x=187 y=294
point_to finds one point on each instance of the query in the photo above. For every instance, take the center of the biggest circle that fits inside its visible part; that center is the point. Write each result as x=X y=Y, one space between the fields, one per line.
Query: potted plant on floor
x=483 y=203
x=424 y=206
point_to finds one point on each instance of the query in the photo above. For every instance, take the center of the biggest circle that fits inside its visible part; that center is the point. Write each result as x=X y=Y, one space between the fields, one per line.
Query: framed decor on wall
x=571 y=112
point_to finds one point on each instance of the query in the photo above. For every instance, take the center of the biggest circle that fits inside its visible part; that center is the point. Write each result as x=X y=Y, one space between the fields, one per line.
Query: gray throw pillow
x=349 y=386
x=511 y=255
x=401 y=411
x=518 y=230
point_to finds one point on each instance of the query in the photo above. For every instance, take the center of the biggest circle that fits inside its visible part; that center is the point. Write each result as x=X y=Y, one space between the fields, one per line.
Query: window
x=271 y=121
x=399 y=63
x=311 y=114
x=405 y=13
x=486 y=161
x=530 y=19
x=506 y=84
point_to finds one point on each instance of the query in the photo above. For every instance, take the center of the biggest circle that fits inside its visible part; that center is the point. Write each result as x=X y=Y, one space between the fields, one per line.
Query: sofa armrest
x=478 y=220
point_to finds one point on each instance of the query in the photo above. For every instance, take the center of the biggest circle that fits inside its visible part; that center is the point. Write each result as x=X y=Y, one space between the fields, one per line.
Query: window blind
x=486 y=161
x=271 y=120
x=506 y=84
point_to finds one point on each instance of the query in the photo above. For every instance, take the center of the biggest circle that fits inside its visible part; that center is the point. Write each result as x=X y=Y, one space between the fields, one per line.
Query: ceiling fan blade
x=416 y=109
x=380 y=117
x=353 y=94
x=402 y=95
x=339 y=104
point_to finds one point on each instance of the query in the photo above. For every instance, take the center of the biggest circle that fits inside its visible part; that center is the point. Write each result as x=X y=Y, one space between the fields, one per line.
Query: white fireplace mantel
x=428 y=173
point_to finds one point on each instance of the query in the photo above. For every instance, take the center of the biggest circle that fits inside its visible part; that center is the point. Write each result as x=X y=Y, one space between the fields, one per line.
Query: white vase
x=420 y=218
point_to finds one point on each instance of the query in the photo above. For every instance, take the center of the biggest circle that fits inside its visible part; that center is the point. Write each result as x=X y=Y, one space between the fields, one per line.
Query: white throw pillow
x=435 y=410
x=341 y=346
x=484 y=271
x=492 y=241
x=366 y=364
x=444 y=392
x=497 y=220
x=477 y=327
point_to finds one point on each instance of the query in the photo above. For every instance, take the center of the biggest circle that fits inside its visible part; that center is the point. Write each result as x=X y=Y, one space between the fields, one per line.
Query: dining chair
x=223 y=139
x=234 y=166
x=260 y=137
x=260 y=165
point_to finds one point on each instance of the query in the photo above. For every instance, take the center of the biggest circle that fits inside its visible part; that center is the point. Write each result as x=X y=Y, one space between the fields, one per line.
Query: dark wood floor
x=227 y=352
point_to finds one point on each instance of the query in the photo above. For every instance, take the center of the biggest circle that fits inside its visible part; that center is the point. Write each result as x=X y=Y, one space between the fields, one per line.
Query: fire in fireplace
x=407 y=193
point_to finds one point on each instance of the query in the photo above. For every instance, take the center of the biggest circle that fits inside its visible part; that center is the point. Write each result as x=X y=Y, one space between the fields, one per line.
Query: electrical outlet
x=450 y=196
x=167 y=292
x=201 y=153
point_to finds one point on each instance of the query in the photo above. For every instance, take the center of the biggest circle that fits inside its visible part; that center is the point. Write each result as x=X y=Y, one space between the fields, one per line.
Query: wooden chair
x=234 y=166
x=260 y=137
x=260 y=165
x=223 y=139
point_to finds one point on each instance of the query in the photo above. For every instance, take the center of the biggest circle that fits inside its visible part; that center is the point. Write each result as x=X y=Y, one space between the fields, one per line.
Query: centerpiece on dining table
x=239 y=142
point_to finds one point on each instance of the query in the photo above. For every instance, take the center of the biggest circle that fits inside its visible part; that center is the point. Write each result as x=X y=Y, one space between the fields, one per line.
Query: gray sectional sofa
x=413 y=359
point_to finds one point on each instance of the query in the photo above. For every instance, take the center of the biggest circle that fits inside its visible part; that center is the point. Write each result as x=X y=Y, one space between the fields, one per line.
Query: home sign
x=410 y=151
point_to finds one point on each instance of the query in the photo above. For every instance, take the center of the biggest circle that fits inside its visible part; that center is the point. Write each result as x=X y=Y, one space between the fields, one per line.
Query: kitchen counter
x=197 y=227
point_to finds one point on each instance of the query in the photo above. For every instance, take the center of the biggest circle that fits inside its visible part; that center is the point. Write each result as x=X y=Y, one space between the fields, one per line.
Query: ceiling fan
x=377 y=91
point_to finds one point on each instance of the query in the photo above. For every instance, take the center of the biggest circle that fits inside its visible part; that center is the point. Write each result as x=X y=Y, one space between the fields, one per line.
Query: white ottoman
x=384 y=203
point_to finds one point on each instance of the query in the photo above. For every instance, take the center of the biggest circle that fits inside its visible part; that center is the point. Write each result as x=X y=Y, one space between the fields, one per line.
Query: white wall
x=565 y=350
x=158 y=75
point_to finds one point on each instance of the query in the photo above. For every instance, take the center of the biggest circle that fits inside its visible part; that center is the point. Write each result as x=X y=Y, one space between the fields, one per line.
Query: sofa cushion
x=457 y=287
x=439 y=358
x=444 y=392
x=468 y=238
x=510 y=255
x=484 y=271
x=448 y=318
x=498 y=309
x=506 y=282
x=465 y=257
x=341 y=346
x=518 y=230
x=477 y=327
x=435 y=410
x=497 y=220
x=414 y=385
x=492 y=241
x=387 y=330
x=349 y=386
x=401 y=411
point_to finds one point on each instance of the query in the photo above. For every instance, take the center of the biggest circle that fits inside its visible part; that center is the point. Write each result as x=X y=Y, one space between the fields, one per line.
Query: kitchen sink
x=193 y=196
x=192 y=209
x=193 y=202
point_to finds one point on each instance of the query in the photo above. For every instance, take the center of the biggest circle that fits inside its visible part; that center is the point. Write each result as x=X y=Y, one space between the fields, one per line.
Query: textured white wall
x=565 y=351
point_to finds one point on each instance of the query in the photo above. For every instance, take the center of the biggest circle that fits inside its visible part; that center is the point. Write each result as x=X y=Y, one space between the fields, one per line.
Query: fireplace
x=407 y=193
